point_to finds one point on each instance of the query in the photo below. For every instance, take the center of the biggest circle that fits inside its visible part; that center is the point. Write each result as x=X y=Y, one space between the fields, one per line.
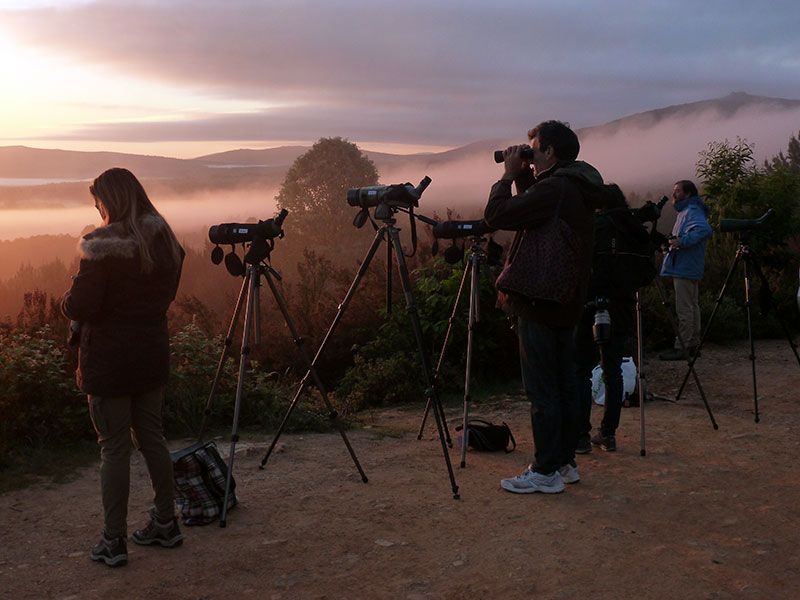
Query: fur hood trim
x=112 y=240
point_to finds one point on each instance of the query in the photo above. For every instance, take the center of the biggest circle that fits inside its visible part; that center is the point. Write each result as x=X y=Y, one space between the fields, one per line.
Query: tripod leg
x=243 y=359
x=641 y=375
x=224 y=356
x=388 y=279
x=342 y=307
x=334 y=416
x=444 y=347
x=257 y=306
x=765 y=284
x=747 y=307
x=707 y=328
x=438 y=410
x=690 y=362
x=474 y=290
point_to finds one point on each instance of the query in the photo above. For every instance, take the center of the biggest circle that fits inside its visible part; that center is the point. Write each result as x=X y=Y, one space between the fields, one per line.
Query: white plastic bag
x=628 y=381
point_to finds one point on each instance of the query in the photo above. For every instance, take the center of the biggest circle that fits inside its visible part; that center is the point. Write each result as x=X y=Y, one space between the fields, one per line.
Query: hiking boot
x=674 y=354
x=167 y=535
x=584 y=445
x=569 y=472
x=111 y=550
x=531 y=481
x=605 y=442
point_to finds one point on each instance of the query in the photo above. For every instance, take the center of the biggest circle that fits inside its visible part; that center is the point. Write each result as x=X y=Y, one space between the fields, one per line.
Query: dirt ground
x=705 y=514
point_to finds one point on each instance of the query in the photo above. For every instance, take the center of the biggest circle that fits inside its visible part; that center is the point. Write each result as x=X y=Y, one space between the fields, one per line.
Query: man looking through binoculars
x=553 y=189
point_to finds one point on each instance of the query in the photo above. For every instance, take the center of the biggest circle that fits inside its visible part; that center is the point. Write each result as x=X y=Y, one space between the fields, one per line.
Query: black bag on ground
x=488 y=437
x=200 y=475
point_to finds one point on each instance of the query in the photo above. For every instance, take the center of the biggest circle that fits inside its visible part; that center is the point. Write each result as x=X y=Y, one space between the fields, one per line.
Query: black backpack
x=624 y=256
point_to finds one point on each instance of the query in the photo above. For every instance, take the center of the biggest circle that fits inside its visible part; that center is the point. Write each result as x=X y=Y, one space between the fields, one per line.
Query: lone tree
x=315 y=187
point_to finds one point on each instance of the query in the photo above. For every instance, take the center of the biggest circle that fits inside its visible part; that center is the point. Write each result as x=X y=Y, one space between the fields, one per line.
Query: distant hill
x=726 y=107
x=267 y=157
x=643 y=151
x=648 y=151
x=22 y=162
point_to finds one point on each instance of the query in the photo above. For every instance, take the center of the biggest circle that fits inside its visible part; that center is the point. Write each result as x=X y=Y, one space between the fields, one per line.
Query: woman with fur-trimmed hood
x=129 y=273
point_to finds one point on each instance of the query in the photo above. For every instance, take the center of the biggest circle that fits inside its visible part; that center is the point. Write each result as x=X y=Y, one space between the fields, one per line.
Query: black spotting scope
x=239 y=233
x=450 y=230
x=399 y=194
x=730 y=225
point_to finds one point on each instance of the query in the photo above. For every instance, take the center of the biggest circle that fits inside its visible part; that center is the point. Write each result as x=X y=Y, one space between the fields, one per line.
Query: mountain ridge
x=24 y=162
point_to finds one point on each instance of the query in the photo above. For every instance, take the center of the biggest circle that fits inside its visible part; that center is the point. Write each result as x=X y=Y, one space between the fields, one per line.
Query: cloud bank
x=442 y=73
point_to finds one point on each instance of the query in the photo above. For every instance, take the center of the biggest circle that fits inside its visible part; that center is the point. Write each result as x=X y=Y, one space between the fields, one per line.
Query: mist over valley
x=644 y=153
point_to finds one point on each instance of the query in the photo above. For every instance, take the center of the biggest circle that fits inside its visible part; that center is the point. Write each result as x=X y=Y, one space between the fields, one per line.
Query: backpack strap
x=471 y=421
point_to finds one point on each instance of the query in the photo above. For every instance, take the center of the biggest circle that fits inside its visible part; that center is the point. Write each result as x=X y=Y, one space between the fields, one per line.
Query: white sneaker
x=569 y=473
x=531 y=481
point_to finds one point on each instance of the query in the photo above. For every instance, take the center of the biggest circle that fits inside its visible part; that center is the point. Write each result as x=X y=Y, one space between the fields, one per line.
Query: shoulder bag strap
x=511 y=437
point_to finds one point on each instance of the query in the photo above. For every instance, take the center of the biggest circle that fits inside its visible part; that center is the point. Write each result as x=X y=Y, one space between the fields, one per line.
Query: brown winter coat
x=124 y=342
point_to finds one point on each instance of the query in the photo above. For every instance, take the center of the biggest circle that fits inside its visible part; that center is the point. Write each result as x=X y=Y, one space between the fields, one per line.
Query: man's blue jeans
x=548 y=376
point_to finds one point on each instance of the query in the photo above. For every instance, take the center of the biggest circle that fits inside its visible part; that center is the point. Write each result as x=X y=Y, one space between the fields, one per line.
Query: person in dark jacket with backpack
x=684 y=263
x=551 y=185
x=128 y=276
x=621 y=245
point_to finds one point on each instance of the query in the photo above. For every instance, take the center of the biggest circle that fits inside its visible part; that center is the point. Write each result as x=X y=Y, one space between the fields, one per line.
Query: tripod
x=477 y=256
x=745 y=255
x=249 y=297
x=391 y=234
x=641 y=375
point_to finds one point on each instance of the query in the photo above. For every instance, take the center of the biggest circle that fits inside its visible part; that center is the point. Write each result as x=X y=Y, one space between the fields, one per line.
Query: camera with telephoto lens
x=601 y=328
x=650 y=211
x=525 y=154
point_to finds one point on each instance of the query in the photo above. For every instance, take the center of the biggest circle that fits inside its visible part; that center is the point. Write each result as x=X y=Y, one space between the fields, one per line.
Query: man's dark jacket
x=124 y=341
x=535 y=205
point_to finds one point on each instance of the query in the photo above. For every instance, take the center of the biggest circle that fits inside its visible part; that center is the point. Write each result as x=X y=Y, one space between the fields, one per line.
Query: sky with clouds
x=185 y=75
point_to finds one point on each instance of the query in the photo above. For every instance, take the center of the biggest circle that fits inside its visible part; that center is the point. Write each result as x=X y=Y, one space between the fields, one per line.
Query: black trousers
x=548 y=376
x=587 y=355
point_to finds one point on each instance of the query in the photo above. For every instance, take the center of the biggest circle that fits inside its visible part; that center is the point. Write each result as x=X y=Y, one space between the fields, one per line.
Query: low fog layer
x=640 y=158
x=186 y=213
x=642 y=154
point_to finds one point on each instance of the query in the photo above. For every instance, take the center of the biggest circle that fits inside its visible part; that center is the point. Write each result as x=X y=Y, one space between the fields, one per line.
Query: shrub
x=39 y=400
x=265 y=395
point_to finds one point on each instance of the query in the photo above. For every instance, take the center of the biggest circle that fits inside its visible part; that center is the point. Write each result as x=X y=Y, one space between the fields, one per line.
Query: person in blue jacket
x=684 y=263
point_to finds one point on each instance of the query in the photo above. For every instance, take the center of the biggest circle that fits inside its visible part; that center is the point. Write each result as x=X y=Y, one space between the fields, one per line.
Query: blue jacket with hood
x=692 y=230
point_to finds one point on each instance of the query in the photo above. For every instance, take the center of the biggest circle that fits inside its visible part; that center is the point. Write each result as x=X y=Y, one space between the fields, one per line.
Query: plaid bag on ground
x=200 y=475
